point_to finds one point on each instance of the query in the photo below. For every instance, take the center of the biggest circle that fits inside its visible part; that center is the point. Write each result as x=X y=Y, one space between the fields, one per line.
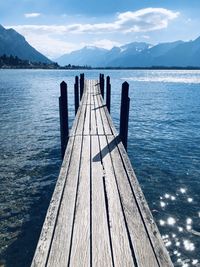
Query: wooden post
x=63 y=108
x=124 y=114
x=102 y=85
x=81 y=85
x=100 y=79
x=108 y=92
x=76 y=94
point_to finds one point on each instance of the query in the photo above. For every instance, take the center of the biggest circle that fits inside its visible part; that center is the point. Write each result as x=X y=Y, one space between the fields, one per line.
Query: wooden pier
x=98 y=215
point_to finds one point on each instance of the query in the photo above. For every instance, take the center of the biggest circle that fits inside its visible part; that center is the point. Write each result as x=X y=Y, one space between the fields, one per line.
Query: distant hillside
x=138 y=54
x=88 y=55
x=13 y=43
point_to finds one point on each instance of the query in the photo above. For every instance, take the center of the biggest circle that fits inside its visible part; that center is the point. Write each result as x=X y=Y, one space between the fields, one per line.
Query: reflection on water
x=164 y=145
x=179 y=237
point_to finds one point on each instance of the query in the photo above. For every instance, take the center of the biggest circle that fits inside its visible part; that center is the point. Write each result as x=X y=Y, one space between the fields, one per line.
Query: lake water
x=164 y=148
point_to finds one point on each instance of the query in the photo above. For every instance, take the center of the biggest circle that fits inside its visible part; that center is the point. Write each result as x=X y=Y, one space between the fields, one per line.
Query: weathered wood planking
x=98 y=215
x=151 y=228
x=101 y=248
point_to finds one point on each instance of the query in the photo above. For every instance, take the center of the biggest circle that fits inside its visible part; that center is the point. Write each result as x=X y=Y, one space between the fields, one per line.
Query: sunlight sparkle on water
x=183 y=190
x=188 y=227
x=189 y=221
x=162 y=204
x=188 y=245
x=168 y=243
x=190 y=199
x=194 y=262
x=171 y=221
x=162 y=222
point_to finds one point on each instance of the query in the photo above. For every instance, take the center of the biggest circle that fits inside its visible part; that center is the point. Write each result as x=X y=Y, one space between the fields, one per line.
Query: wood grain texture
x=101 y=249
x=98 y=215
x=106 y=126
x=143 y=251
x=80 y=250
x=60 y=248
x=44 y=243
x=100 y=129
x=120 y=244
x=154 y=235
x=81 y=121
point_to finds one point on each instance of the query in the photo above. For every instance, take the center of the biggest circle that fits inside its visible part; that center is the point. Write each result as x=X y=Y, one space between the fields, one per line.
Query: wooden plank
x=80 y=252
x=86 y=127
x=141 y=243
x=152 y=229
x=60 y=248
x=122 y=254
x=80 y=126
x=106 y=126
x=87 y=90
x=44 y=242
x=79 y=112
x=93 y=125
x=100 y=129
x=154 y=234
x=101 y=247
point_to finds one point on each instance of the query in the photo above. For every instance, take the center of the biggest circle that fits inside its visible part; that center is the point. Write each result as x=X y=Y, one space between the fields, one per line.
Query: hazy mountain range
x=137 y=54
x=13 y=43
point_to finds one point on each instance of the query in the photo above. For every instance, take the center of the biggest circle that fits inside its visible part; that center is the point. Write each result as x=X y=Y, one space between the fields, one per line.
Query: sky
x=56 y=27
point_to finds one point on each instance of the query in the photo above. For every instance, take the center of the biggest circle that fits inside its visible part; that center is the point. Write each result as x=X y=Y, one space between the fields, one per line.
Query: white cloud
x=54 y=40
x=32 y=15
x=143 y=20
x=105 y=43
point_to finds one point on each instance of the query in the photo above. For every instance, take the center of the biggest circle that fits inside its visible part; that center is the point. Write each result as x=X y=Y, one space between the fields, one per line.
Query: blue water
x=164 y=148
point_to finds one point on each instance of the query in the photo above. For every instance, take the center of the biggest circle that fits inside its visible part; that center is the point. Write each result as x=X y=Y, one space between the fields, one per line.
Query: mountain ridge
x=15 y=44
x=138 y=54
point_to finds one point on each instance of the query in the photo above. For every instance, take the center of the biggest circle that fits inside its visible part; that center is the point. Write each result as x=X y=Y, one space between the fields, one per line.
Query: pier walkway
x=98 y=215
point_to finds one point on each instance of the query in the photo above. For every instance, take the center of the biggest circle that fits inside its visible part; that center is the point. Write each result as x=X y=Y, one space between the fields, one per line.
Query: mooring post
x=108 y=92
x=102 y=85
x=76 y=94
x=81 y=85
x=124 y=114
x=100 y=81
x=63 y=108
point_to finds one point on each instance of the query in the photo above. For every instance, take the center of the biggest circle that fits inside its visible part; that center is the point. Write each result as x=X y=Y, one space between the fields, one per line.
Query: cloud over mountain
x=143 y=20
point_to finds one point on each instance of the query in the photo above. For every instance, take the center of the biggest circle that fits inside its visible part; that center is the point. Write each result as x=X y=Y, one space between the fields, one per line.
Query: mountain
x=89 y=55
x=13 y=43
x=98 y=57
x=138 y=54
x=184 y=54
x=126 y=54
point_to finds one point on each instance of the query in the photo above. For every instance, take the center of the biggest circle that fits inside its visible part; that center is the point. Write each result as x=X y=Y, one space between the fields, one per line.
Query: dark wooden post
x=108 y=92
x=81 y=84
x=63 y=108
x=100 y=80
x=76 y=94
x=124 y=114
x=102 y=85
